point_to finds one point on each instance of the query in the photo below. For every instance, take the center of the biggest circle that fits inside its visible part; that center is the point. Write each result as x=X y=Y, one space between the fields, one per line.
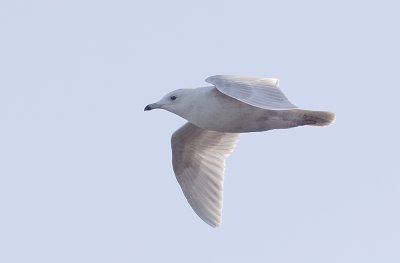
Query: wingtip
x=214 y=224
x=277 y=83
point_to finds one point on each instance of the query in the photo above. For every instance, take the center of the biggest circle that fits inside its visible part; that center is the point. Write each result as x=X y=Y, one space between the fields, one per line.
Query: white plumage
x=258 y=92
x=216 y=116
x=198 y=158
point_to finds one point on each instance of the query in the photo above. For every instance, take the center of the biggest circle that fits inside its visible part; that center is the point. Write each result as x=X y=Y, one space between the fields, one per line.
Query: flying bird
x=216 y=116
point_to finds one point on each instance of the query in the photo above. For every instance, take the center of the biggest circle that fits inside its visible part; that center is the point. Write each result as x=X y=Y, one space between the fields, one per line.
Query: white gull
x=216 y=116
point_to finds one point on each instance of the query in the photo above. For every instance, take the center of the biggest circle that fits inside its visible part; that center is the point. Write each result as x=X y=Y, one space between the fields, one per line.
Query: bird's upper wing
x=259 y=92
x=198 y=159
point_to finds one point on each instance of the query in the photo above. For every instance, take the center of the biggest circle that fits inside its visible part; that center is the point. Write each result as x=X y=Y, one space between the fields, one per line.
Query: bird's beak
x=152 y=106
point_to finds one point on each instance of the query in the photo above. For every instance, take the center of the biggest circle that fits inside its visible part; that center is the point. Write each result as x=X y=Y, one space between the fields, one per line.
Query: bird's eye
x=173 y=97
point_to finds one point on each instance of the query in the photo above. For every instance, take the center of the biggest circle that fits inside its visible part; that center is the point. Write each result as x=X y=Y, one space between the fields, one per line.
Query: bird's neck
x=197 y=105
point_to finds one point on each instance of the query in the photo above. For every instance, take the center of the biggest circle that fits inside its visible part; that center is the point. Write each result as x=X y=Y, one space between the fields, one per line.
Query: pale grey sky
x=86 y=176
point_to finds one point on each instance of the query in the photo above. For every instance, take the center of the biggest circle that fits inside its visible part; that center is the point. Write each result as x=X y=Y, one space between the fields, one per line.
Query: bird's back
x=216 y=111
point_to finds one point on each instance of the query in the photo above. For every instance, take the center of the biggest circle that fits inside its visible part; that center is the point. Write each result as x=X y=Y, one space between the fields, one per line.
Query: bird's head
x=177 y=101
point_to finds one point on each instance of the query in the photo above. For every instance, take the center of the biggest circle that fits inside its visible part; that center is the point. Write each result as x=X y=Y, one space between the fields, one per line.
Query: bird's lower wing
x=198 y=159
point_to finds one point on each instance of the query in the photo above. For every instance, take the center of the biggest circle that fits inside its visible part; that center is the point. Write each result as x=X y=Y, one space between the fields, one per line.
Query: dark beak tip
x=147 y=108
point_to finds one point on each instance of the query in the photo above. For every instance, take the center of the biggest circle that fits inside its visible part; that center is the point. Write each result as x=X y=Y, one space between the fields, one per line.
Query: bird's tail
x=316 y=118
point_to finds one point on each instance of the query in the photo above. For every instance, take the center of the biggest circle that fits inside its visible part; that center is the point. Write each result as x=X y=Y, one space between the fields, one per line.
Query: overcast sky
x=86 y=175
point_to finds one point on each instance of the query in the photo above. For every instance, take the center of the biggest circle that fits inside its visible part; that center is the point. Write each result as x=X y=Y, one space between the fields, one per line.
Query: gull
x=216 y=116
